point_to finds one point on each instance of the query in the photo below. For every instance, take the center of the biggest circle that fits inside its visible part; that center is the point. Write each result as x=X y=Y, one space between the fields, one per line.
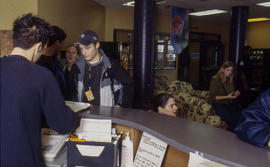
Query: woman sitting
x=164 y=103
x=222 y=94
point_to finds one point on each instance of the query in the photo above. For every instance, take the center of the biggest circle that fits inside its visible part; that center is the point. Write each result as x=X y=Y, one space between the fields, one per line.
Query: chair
x=193 y=104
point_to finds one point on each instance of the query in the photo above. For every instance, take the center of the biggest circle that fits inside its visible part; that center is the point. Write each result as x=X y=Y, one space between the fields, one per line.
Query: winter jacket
x=116 y=85
x=254 y=123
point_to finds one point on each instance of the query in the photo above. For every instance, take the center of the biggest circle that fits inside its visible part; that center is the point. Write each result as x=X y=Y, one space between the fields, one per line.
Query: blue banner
x=179 y=29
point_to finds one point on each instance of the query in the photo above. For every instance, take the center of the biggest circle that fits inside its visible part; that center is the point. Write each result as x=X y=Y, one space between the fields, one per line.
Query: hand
x=231 y=96
x=236 y=93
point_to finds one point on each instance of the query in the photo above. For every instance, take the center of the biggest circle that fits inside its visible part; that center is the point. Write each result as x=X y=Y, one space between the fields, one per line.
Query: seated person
x=222 y=94
x=254 y=123
x=164 y=103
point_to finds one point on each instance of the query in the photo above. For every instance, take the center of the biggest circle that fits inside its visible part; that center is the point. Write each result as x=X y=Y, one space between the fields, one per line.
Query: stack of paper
x=97 y=130
x=52 y=143
x=77 y=106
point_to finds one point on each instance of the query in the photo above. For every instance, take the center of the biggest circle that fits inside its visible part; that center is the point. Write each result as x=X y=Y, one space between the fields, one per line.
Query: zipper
x=110 y=66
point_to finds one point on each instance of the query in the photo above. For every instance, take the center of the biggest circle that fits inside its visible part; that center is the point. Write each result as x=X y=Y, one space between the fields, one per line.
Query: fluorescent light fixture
x=265 y=4
x=160 y=2
x=258 y=19
x=132 y=3
x=208 y=12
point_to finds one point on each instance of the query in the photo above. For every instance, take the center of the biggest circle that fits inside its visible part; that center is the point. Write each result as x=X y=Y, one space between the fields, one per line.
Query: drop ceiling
x=199 y=5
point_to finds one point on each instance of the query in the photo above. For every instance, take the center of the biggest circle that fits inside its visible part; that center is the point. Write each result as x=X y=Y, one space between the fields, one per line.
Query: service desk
x=187 y=136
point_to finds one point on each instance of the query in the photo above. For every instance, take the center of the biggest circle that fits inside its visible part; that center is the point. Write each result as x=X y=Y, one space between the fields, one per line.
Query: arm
x=229 y=96
x=217 y=92
x=59 y=117
x=254 y=124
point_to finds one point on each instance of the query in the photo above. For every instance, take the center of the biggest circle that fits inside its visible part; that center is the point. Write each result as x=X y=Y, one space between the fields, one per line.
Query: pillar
x=143 y=51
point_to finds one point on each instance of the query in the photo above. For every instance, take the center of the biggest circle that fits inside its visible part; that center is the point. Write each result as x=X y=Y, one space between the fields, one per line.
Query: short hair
x=29 y=30
x=159 y=100
x=56 y=34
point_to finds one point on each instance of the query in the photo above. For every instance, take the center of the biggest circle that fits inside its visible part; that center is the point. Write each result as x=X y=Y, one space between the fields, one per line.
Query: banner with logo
x=179 y=29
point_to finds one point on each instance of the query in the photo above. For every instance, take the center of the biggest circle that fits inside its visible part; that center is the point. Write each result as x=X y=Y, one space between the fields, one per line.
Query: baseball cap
x=87 y=37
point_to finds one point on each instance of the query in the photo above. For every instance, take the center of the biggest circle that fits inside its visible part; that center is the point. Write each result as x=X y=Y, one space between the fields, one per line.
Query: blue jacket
x=254 y=123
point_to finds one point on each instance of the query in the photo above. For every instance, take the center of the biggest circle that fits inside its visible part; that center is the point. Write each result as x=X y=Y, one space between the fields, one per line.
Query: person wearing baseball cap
x=100 y=79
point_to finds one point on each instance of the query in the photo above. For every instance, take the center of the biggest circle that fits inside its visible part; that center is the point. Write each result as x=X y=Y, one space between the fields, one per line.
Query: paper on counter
x=88 y=150
x=97 y=130
x=196 y=160
x=94 y=136
x=150 y=152
x=52 y=144
x=77 y=106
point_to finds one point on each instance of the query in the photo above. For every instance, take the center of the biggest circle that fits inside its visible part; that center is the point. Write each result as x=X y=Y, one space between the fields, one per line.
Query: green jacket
x=217 y=88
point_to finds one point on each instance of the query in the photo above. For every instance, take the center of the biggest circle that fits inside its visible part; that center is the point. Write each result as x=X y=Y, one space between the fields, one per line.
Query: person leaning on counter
x=27 y=90
x=254 y=123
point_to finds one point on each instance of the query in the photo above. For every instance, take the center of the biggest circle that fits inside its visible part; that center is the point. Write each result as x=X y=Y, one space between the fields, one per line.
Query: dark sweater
x=51 y=63
x=27 y=91
x=217 y=88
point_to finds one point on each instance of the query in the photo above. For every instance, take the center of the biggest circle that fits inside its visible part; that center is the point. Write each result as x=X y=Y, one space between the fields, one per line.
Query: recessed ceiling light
x=265 y=4
x=258 y=19
x=132 y=3
x=207 y=12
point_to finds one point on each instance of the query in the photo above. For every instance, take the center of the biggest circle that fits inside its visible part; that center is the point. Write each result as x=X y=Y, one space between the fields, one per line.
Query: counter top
x=188 y=136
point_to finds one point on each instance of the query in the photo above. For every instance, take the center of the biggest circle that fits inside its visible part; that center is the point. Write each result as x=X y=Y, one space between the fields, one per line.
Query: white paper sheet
x=88 y=150
x=97 y=130
x=196 y=160
x=77 y=106
x=150 y=152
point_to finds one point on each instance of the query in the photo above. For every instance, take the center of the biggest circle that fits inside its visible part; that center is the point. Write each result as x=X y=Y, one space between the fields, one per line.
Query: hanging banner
x=179 y=29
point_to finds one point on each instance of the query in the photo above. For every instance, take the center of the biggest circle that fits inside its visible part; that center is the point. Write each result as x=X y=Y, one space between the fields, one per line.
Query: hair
x=159 y=100
x=56 y=34
x=221 y=74
x=29 y=30
x=75 y=46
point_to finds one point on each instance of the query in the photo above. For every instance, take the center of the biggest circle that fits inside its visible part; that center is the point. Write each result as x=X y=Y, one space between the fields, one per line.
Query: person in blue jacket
x=254 y=123
x=27 y=91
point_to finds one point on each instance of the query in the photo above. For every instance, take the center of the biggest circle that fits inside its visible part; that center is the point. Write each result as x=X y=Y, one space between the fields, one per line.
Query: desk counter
x=187 y=136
